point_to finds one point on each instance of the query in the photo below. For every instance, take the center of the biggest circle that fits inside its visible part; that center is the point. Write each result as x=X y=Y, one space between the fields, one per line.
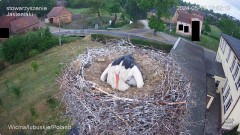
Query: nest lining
x=157 y=108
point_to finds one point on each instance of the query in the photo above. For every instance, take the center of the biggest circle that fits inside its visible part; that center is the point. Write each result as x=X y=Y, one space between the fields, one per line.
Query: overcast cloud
x=234 y=6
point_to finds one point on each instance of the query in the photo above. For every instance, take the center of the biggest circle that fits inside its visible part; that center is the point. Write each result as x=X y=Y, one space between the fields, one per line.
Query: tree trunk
x=154 y=32
x=100 y=18
x=114 y=20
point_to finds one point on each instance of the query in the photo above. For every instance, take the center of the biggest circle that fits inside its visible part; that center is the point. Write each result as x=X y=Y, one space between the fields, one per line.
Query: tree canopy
x=163 y=9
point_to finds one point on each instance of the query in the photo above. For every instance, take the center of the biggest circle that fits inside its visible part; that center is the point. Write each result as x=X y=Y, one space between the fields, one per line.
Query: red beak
x=117 y=79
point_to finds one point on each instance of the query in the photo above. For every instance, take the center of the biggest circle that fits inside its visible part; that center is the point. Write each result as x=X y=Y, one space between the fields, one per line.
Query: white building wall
x=182 y=32
x=233 y=112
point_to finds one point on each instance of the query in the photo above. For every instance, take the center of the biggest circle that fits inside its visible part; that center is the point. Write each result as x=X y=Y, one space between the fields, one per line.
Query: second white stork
x=123 y=73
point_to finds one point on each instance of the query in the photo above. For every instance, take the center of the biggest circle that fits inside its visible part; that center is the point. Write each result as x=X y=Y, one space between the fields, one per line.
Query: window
x=225 y=86
x=223 y=46
x=226 y=95
x=180 y=27
x=238 y=82
x=186 y=29
x=236 y=72
x=233 y=64
x=229 y=54
x=226 y=107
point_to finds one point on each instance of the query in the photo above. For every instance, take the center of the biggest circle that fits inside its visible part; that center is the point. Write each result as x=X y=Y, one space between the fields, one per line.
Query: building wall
x=64 y=19
x=233 y=119
x=15 y=30
x=182 y=32
x=229 y=93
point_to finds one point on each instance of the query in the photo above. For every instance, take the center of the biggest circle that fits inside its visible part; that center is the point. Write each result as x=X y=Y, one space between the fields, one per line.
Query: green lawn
x=209 y=42
x=215 y=31
x=79 y=11
x=35 y=90
x=86 y=11
x=136 y=25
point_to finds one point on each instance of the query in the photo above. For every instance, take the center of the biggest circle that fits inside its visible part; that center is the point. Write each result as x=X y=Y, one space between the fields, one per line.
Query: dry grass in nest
x=157 y=108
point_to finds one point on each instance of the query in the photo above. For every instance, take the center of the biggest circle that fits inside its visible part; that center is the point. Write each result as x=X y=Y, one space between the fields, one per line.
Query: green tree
x=95 y=8
x=113 y=6
x=207 y=28
x=133 y=11
x=163 y=8
x=229 y=27
x=155 y=24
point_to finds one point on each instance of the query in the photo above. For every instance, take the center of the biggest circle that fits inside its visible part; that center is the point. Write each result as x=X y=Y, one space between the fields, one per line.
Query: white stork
x=123 y=73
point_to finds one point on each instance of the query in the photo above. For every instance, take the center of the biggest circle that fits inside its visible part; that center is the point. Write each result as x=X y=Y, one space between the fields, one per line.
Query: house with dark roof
x=59 y=14
x=185 y=20
x=20 y=24
x=229 y=86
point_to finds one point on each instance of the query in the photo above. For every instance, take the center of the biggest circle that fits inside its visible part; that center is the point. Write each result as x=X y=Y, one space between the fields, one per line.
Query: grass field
x=136 y=25
x=215 y=31
x=79 y=10
x=28 y=97
x=209 y=42
x=86 y=11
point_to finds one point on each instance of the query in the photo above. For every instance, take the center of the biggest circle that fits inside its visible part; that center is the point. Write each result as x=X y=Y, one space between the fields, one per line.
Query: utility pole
x=59 y=36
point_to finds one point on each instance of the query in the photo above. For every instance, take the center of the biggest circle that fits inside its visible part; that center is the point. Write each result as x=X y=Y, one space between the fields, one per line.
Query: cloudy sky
x=234 y=5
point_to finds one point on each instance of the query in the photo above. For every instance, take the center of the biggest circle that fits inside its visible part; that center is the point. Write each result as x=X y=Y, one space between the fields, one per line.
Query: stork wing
x=137 y=76
x=105 y=73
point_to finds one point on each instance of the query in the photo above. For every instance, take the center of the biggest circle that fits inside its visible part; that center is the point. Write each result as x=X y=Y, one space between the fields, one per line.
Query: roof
x=58 y=10
x=214 y=68
x=191 y=59
x=24 y=22
x=186 y=17
x=5 y=21
x=234 y=44
x=197 y=13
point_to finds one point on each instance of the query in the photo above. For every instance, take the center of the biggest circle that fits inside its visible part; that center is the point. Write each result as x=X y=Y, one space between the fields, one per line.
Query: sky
x=229 y=7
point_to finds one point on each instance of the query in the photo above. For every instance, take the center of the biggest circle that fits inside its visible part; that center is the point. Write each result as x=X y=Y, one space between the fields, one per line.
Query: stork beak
x=117 y=79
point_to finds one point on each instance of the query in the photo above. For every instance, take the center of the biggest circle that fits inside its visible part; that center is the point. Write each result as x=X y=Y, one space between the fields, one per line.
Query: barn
x=188 y=23
x=19 y=24
x=59 y=13
x=24 y=24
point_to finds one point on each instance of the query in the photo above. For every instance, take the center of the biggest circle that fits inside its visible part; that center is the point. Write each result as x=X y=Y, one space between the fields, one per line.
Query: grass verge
x=39 y=101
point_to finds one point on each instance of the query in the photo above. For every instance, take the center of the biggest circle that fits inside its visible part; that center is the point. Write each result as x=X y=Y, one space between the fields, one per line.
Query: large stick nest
x=157 y=108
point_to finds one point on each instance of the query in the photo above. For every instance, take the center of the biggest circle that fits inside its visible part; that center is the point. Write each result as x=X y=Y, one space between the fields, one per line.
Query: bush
x=21 y=47
x=138 y=42
x=2 y=65
x=120 y=24
x=152 y=44
x=52 y=102
x=16 y=90
x=101 y=37
x=34 y=66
